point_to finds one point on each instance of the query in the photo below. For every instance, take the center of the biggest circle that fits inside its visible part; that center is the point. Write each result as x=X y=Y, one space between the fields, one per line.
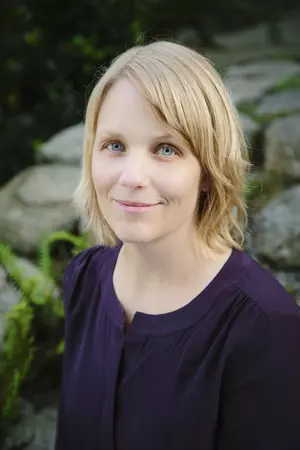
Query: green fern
x=39 y=290
x=44 y=251
x=9 y=262
x=61 y=347
x=253 y=189
x=16 y=356
x=40 y=301
x=18 y=348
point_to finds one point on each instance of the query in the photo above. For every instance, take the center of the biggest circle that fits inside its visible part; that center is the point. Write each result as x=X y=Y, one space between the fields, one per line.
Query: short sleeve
x=260 y=401
x=75 y=272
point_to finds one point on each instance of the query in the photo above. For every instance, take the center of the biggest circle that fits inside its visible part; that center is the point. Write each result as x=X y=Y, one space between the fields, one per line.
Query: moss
x=248 y=108
x=289 y=84
x=261 y=189
x=291 y=54
x=253 y=190
x=264 y=119
x=291 y=289
x=283 y=113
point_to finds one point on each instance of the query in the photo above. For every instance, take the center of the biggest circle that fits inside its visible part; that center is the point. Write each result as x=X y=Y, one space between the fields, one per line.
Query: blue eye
x=115 y=147
x=165 y=150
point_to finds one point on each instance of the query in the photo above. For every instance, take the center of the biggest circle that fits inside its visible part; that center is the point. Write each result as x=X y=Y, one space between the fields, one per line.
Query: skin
x=137 y=161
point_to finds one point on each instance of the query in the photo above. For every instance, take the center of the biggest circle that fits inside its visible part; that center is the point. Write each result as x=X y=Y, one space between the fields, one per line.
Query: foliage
x=16 y=356
x=18 y=346
x=250 y=108
x=290 y=83
x=52 y=51
x=253 y=189
x=40 y=308
x=263 y=187
x=78 y=243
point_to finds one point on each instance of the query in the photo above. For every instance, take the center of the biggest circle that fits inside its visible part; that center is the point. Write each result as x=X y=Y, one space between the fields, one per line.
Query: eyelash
x=175 y=150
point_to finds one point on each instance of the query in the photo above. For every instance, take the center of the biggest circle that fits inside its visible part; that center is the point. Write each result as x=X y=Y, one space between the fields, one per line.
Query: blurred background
x=51 y=55
x=51 y=51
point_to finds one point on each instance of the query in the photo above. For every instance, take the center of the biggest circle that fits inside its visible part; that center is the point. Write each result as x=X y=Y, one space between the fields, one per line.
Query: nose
x=134 y=171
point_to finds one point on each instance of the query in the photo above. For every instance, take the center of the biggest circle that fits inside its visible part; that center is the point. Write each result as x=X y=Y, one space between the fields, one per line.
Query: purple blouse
x=221 y=373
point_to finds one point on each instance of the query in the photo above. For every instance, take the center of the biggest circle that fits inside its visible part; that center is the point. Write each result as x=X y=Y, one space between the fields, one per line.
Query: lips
x=135 y=207
x=137 y=204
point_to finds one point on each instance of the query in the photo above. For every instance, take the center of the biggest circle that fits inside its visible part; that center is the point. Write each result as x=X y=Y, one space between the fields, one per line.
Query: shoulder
x=267 y=318
x=84 y=269
x=263 y=290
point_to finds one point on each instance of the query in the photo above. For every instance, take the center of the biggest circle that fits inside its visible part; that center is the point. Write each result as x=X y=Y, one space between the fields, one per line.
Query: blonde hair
x=188 y=96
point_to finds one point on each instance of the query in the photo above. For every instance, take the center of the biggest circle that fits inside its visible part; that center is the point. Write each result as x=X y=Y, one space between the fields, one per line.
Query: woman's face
x=147 y=181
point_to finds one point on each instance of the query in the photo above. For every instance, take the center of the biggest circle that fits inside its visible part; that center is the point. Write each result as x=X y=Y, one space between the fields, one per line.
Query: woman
x=175 y=338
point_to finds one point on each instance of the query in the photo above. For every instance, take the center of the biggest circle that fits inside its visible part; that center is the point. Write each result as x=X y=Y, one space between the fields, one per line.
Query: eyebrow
x=109 y=134
x=116 y=135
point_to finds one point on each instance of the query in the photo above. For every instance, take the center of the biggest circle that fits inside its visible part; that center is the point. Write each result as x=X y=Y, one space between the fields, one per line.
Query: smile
x=135 y=206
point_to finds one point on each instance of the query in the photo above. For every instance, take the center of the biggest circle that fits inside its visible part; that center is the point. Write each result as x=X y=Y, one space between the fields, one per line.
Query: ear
x=206 y=184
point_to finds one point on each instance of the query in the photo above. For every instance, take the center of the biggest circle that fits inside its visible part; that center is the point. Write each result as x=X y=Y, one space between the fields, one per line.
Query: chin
x=135 y=239
x=136 y=236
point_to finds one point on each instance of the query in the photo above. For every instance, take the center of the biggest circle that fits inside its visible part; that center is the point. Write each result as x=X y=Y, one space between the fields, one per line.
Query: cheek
x=181 y=186
x=101 y=175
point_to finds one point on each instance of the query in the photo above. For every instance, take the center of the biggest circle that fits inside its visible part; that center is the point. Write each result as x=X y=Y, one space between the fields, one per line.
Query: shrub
x=34 y=326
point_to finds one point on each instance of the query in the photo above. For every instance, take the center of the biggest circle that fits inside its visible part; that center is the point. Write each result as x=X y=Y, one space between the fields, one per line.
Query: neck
x=172 y=260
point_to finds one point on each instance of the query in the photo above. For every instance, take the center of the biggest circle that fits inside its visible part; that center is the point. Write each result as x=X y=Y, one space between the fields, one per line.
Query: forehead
x=125 y=107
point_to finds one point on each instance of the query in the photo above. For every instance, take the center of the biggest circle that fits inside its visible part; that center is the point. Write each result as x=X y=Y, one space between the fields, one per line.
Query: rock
x=277 y=230
x=250 y=128
x=22 y=433
x=282 y=147
x=248 y=247
x=289 y=29
x=225 y=58
x=257 y=37
x=247 y=83
x=282 y=102
x=28 y=268
x=44 y=428
x=189 y=37
x=290 y=280
x=64 y=148
x=46 y=285
x=9 y=296
x=35 y=203
x=34 y=431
